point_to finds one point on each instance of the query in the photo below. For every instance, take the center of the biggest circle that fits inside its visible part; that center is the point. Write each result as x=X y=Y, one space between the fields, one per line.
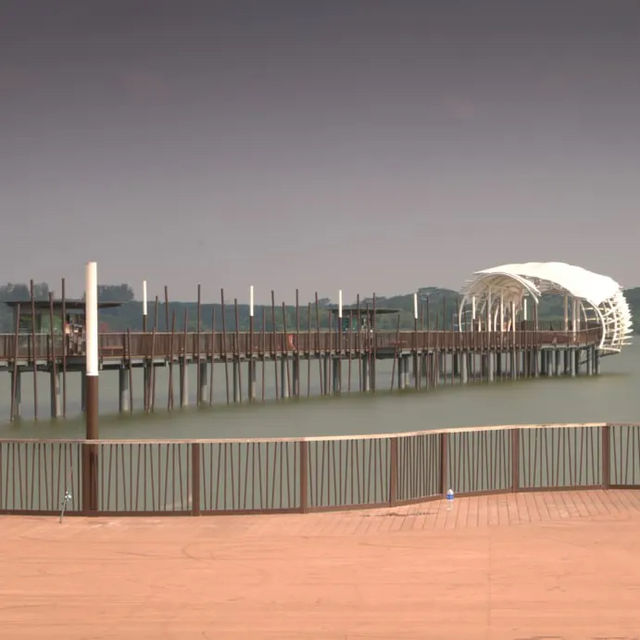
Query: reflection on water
x=612 y=396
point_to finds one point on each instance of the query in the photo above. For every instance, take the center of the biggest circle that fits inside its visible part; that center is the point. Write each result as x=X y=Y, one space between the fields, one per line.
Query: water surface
x=612 y=396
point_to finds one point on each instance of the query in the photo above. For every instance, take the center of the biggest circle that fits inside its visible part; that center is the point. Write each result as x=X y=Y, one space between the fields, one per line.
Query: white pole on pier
x=144 y=305
x=91 y=357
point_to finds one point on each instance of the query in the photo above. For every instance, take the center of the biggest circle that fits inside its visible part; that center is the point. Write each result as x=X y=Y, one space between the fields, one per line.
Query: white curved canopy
x=511 y=283
x=579 y=282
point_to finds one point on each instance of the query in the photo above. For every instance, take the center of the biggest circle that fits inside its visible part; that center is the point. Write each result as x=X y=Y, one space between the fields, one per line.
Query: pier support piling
x=202 y=381
x=123 y=390
x=16 y=386
x=184 y=383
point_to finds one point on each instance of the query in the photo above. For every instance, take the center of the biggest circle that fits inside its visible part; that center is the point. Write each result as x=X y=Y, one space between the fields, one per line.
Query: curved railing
x=268 y=475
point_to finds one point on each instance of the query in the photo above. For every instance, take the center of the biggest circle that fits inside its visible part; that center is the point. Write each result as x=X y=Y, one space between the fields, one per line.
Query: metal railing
x=310 y=474
x=120 y=345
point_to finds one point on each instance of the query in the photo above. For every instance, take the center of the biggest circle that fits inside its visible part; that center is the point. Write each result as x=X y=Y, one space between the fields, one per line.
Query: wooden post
x=318 y=348
x=393 y=471
x=55 y=382
x=33 y=352
x=224 y=345
x=304 y=476
x=296 y=377
x=308 y=349
x=171 y=346
x=213 y=346
x=274 y=350
x=63 y=312
x=184 y=374
x=444 y=463
x=251 y=372
x=130 y=371
x=515 y=459
x=195 y=478
x=16 y=391
x=606 y=456
x=374 y=348
x=199 y=398
x=237 y=354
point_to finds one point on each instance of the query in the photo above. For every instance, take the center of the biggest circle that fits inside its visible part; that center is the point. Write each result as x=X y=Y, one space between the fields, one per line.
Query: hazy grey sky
x=363 y=145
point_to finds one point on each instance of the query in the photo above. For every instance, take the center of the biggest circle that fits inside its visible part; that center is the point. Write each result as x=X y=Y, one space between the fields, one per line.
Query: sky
x=359 y=145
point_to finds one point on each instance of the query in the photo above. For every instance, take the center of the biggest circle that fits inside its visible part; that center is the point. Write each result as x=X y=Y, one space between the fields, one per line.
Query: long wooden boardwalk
x=345 y=360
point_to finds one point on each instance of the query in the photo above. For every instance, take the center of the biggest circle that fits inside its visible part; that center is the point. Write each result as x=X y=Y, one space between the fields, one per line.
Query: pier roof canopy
x=599 y=298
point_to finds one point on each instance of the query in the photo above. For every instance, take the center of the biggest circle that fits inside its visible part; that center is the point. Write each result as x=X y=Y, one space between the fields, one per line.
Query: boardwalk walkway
x=528 y=565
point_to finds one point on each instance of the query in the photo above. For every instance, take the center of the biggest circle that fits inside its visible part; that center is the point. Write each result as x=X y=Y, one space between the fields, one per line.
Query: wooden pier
x=338 y=360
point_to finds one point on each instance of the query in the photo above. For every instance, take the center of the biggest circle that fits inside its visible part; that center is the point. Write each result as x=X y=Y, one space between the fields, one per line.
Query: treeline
x=437 y=310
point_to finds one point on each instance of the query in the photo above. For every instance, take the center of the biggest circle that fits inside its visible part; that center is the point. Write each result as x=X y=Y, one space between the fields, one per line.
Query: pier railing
x=151 y=344
x=309 y=474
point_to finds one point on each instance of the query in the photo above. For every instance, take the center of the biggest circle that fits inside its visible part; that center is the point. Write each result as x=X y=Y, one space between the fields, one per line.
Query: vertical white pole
x=340 y=303
x=501 y=312
x=524 y=309
x=489 y=305
x=144 y=298
x=415 y=306
x=91 y=315
x=251 y=301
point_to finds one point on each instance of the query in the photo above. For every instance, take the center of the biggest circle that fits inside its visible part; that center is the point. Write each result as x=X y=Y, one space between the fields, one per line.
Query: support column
x=83 y=391
x=184 y=383
x=589 y=353
x=464 y=374
x=325 y=372
x=236 y=380
x=123 y=390
x=514 y=364
x=56 y=396
x=16 y=381
x=572 y=362
x=596 y=360
x=365 y=374
x=251 y=377
x=202 y=379
x=491 y=365
x=405 y=370
x=336 y=375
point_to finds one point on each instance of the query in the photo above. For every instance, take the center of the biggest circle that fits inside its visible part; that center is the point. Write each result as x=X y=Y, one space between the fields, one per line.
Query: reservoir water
x=612 y=396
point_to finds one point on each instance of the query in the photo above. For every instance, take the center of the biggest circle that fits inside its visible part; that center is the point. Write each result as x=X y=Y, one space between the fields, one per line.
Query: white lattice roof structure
x=499 y=295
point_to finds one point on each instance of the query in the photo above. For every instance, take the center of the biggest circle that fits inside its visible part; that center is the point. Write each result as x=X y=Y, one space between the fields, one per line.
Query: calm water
x=612 y=396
